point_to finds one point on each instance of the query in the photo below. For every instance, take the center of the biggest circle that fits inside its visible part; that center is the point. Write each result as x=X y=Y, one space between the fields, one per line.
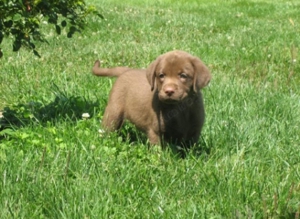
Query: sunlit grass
x=54 y=163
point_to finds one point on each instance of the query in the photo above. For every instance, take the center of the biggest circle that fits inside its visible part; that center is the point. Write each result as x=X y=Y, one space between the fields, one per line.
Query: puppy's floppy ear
x=151 y=72
x=202 y=75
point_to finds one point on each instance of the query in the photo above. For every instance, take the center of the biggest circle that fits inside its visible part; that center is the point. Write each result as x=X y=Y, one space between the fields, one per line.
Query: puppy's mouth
x=170 y=100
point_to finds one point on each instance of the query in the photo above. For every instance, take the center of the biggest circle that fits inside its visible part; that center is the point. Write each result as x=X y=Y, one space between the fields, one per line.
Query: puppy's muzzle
x=170 y=94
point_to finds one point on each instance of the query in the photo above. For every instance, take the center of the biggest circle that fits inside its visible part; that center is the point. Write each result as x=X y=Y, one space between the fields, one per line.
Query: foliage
x=22 y=19
x=55 y=164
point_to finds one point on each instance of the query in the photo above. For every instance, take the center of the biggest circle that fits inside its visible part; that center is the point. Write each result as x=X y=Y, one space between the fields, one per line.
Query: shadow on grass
x=130 y=134
x=197 y=150
x=63 y=106
x=70 y=108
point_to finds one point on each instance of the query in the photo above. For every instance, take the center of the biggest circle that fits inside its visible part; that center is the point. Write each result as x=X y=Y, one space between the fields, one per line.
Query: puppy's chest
x=176 y=121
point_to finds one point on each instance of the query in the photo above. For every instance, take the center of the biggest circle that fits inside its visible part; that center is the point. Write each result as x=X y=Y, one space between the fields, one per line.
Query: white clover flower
x=101 y=132
x=85 y=116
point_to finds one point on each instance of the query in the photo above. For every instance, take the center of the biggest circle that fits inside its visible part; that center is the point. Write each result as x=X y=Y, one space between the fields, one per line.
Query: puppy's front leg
x=153 y=137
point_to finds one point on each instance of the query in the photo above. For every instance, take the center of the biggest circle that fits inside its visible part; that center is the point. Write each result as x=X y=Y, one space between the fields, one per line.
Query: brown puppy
x=163 y=100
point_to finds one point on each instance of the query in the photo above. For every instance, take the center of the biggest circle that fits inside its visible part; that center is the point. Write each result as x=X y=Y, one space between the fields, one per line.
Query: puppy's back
x=133 y=91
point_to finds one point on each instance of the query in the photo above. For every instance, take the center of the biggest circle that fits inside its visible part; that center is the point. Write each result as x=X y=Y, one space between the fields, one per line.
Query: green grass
x=54 y=164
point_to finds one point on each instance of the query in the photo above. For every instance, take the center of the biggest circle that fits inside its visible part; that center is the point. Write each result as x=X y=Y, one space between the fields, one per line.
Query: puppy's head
x=176 y=75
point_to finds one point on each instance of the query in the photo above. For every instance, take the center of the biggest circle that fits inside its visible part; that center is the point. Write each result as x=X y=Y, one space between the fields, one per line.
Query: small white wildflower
x=85 y=116
x=101 y=132
x=1 y=115
x=294 y=60
x=93 y=147
x=269 y=55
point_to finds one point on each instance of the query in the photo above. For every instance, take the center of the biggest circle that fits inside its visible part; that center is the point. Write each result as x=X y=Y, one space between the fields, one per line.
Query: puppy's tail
x=109 y=72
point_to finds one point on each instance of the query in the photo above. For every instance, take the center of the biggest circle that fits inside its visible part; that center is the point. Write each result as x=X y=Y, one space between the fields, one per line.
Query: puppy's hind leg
x=112 y=119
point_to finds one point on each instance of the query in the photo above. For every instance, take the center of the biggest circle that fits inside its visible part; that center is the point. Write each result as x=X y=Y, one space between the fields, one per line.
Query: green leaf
x=9 y=132
x=99 y=15
x=1 y=37
x=53 y=18
x=36 y=53
x=64 y=23
x=58 y=29
x=17 y=45
x=24 y=135
x=17 y=17
x=8 y=24
x=31 y=45
x=73 y=29
x=15 y=31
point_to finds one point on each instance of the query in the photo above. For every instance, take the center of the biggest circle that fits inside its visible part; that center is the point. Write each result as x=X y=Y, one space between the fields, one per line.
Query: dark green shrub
x=22 y=19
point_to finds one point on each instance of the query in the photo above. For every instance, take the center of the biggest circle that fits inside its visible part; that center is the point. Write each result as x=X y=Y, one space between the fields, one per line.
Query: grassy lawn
x=54 y=164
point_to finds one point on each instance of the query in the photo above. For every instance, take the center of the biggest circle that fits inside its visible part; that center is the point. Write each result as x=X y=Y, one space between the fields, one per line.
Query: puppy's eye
x=161 y=75
x=183 y=75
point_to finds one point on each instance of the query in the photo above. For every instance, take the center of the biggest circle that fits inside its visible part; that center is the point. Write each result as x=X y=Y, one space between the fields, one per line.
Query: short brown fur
x=163 y=100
